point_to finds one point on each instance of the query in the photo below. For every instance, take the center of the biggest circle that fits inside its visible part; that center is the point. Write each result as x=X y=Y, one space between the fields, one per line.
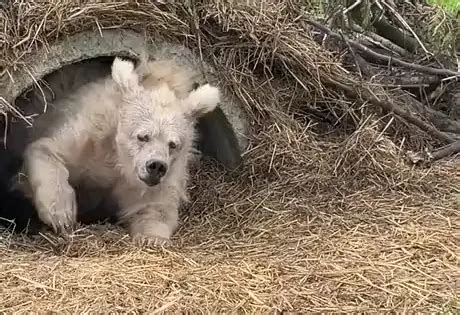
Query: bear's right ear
x=124 y=75
x=200 y=101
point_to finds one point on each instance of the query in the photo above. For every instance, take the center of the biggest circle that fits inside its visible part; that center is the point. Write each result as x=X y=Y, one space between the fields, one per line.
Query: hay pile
x=324 y=221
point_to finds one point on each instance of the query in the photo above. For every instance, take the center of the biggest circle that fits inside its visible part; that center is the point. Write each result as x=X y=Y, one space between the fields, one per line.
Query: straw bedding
x=319 y=220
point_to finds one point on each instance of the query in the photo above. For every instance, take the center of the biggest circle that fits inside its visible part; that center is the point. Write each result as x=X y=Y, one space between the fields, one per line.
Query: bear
x=216 y=141
x=130 y=134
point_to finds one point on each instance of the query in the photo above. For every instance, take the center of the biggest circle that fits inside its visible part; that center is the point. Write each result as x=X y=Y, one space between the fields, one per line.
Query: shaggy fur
x=105 y=136
x=217 y=139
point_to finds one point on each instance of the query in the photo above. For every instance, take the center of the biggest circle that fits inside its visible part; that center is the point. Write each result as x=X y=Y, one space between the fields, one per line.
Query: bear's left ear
x=202 y=100
x=124 y=75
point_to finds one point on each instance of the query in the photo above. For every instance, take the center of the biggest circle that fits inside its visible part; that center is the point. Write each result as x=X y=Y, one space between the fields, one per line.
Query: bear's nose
x=156 y=168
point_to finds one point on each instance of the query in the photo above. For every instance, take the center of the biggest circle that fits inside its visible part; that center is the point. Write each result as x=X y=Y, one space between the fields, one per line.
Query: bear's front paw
x=150 y=233
x=57 y=208
x=151 y=241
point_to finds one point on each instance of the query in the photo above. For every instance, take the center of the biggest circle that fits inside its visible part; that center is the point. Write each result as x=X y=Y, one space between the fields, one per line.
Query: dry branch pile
x=328 y=215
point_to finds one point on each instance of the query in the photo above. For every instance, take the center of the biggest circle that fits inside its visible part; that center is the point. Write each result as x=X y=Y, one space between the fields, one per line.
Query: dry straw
x=332 y=222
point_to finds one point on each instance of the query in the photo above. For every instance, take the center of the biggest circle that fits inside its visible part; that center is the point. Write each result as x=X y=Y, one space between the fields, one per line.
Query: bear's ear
x=124 y=75
x=202 y=100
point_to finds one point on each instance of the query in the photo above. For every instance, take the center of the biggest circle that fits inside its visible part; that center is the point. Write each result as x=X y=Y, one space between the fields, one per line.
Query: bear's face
x=155 y=128
x=153 y=133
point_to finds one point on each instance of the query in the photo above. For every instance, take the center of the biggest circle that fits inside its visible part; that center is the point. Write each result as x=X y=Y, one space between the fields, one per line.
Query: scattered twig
x=354 y=5
x=407 y=26
x=381 y=40
x=381 y=57
x=395 y=35
x=455 y=104
x=426 y=157
x=391 y=107
x=352 y=51
x=437 y=118
x=365 y=67
x=404 y=85
x=448 y=150
x=14 y=110
x=406 y=80
x=318 y=114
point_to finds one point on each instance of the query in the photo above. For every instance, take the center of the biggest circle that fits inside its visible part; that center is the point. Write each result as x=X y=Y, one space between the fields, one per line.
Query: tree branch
x=448 y=150
x=425 y=157
x=391 y=107
x=381 y=40
x=395 y=35
x=381 y=57
x=440 y=120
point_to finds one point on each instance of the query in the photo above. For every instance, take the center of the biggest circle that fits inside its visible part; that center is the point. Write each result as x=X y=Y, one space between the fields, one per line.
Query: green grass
x=449 y=5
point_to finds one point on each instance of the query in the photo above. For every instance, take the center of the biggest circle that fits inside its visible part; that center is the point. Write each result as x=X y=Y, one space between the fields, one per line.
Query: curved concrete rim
x=118 y=42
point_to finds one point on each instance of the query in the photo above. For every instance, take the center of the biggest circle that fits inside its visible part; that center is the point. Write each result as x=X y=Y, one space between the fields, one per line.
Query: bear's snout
x=156 y=170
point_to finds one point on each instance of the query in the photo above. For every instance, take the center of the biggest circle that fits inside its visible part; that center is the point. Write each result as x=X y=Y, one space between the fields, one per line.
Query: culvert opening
x=216 y=141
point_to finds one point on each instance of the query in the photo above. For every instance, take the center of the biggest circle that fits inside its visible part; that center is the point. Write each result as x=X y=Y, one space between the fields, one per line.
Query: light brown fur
x=92 y=141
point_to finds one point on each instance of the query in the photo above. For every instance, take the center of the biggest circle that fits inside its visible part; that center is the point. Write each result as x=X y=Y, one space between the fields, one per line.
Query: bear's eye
x=172 y=145
x=143 y=138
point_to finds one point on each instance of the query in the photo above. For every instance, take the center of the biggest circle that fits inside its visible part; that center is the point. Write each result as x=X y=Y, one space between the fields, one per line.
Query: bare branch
x=381 y=57
x=448 y=150
x=366 y=94
x=426 y=157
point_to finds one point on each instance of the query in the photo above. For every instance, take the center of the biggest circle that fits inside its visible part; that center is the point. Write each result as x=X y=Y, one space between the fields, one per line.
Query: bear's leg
x=153 y=224
x=53 y=196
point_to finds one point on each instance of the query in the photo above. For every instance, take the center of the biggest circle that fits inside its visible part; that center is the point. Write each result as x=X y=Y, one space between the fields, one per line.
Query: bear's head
x=155 y=129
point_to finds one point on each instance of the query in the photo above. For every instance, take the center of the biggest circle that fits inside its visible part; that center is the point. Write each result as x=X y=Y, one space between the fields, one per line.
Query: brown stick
x=378 y=56
x=448 y=150
x=425 y=158
x=389 y=106
x=437 y=118
x=345 y=39
x=396 y=35
x=381 y=40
